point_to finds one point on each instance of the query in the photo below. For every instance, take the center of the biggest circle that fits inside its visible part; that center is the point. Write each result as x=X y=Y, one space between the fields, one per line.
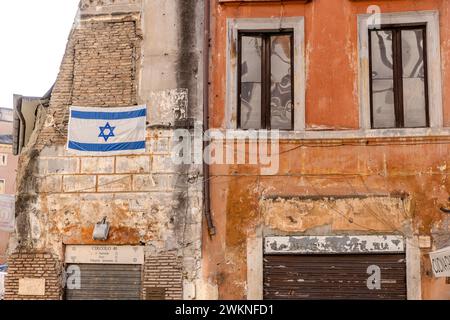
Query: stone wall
x=147 y=199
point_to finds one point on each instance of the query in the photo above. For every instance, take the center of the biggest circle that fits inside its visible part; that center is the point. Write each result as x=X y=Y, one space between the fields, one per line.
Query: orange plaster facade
x=416 y=168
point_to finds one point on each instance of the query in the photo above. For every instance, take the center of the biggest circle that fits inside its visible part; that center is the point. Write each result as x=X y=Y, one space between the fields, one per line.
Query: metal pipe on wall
x=206 y=177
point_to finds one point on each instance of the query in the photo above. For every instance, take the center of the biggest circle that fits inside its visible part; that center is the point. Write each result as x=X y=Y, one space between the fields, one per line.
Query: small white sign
x=133 y=255
x=32 y=287
x=2 y=284
x=7 y=216
x=440 y=262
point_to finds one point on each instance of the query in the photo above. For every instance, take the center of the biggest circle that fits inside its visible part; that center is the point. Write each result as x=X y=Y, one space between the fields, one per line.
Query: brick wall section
x=104 y=64
x=164 y=271
x=33 y=265
x=98 y=70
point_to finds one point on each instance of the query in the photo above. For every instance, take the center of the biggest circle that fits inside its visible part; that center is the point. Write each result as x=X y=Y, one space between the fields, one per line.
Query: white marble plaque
x=32 y=287
x=104 y=255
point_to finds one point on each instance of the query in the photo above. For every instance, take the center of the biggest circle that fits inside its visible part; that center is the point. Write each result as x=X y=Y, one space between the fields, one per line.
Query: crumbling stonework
x=147 y=200
x=384 y=214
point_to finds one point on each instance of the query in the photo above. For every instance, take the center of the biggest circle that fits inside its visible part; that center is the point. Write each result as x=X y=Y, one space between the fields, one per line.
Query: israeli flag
x=107 y=131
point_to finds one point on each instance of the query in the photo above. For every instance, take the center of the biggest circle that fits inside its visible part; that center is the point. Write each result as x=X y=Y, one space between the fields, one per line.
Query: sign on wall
x=7 y=213
x=32 y=287
x=334 y=244
x=440 y=262
x=132 y=255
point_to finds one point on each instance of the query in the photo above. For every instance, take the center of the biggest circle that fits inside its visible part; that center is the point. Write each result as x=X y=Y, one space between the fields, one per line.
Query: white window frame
x=4 y=186
x=297 y=24
x=431 y=19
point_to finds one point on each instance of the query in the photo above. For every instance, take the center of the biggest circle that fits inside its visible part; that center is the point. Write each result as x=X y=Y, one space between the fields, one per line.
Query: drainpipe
x=206 y=176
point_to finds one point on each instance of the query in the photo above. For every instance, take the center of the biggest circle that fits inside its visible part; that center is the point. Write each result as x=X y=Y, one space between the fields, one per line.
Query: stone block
x=163 y=164
x=114 y=183
x=58 y=166
x=79 y=183
x=50 y=184
x=97 y=165
x=133 y=164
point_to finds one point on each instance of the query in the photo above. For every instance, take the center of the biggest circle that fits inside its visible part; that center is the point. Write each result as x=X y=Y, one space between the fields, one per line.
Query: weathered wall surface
x=333 y=85
x=336 y=215
x=413 y=169
x=117 y=60
x=274 y=205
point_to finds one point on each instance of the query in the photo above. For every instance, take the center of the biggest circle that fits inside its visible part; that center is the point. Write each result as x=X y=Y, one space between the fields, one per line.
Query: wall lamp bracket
x=101 y=230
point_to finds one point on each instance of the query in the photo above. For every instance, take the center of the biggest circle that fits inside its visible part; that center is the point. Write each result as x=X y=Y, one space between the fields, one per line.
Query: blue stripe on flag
x=109 y=115
x=98 y=147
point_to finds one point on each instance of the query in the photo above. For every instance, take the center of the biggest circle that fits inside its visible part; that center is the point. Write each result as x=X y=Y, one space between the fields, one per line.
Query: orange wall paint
x=413 y=165
x=331 y=54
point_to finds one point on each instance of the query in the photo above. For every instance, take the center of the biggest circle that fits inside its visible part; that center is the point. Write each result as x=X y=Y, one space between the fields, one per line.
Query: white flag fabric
x=107 y=131
x=7 y=213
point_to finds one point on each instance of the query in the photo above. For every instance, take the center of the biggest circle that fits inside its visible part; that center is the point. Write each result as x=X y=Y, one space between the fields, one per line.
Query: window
x=2 y=186
x=265 y=80
x=3 y=160
x=285 y=33
x=399 y=84
x=409 y=56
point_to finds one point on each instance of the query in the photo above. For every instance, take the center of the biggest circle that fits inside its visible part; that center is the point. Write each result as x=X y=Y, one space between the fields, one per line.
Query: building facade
x=119 y=53
x=348 y=102
x=8 y=167
x=360 y=91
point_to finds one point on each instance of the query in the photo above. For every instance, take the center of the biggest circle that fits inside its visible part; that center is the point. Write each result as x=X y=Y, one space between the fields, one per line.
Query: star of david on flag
x=110 y=131
x=107 y=131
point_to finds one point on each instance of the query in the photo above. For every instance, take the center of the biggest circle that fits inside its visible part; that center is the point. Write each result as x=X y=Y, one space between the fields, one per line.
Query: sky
x=33 y=37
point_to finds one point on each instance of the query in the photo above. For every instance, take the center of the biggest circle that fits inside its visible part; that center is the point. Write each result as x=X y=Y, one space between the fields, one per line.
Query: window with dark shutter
x=399 y=84
x=265 y=88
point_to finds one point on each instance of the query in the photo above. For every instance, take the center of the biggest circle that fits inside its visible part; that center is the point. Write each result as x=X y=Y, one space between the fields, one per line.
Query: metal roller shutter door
x=312 y=277
x=108 y=282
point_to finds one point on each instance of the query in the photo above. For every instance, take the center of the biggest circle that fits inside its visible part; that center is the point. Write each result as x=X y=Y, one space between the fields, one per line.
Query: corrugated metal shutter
x=108 y=282
x=312 y=277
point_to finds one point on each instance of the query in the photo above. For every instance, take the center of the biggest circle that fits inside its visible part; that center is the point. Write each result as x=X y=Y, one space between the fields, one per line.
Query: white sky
x=33 y=37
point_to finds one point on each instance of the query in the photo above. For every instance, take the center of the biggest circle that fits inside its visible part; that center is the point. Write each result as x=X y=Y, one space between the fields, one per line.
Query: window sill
x=352 y=134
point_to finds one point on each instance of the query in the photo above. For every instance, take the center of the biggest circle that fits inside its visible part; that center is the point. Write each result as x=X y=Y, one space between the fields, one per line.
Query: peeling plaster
x=334 y=244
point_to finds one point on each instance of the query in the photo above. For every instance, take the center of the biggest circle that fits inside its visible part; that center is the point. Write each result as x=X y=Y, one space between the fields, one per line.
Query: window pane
x=251 y=83
x=413 y=78
x=383 y=108
x=383 y=104
x=281 y=86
